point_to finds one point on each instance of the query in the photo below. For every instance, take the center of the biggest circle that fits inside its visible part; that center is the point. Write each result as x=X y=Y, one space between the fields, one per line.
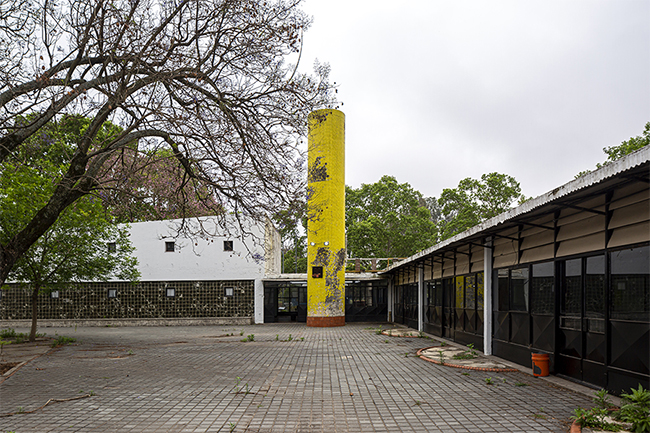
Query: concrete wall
x=198 y=251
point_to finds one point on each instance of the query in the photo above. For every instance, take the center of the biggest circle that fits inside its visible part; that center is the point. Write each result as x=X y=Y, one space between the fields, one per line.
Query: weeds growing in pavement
x=232 y=426
x=467 y=354
x=62 y=340
x=441 y=357
x=595 y=417
x=249 y=337
x=488 y=381
x=520 y=384
x=636 y=409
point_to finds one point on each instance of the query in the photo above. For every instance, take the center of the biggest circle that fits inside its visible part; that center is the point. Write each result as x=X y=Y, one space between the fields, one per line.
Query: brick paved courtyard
x=201 y=379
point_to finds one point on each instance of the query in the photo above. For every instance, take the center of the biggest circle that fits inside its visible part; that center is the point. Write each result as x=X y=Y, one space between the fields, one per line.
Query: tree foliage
x=474 y=201
x=205 y=80
x=628 y=146
x=625 y=148
x=74 y=248
x=386 y=219
x=292 y=225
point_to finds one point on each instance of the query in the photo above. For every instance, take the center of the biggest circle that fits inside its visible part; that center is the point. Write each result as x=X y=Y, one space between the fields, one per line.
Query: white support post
x=421 y=297
x=487 y=297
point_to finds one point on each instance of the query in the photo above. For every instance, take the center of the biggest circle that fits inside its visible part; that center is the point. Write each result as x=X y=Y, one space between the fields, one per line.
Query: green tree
x=628 y=146
x=209 y=81
x=625 y=148
x=387 y=219
x=474 y=201
x=292 y=225
x=76 y=247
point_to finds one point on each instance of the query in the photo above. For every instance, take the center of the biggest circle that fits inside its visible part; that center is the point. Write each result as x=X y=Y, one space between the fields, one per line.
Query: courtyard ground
x=283 y=378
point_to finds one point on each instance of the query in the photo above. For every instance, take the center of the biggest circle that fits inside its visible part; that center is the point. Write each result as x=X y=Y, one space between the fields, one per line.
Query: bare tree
x=206 y=79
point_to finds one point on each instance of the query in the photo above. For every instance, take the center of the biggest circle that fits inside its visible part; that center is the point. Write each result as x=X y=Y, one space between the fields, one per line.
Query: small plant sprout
x=290 y=338
x=232 y=426
x=504 y=380
x=237 y=382
x=441 y=357
x=421 y=334
x=488 y=381
x=520 y=384
x=241 y=334
x=2 y=346
x=130 y=352
x=418 y=402
x=443 y=343
x=277 y=337
x=21 y=409
x=465 y=373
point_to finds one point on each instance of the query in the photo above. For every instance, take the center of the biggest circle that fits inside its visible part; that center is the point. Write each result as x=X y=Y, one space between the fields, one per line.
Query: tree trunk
x=32 y=334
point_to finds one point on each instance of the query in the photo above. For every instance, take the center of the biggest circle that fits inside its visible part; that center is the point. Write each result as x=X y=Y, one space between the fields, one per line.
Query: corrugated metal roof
x=595 y=177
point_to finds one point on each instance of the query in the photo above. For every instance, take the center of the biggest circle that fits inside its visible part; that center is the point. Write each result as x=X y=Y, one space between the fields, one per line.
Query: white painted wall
x=197 y=257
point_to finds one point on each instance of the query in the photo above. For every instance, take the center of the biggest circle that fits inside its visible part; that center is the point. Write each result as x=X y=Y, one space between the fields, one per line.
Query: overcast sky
x=438 y=90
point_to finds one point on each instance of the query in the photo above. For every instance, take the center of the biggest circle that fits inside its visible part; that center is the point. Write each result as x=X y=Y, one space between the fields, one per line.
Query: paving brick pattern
x=347 y=379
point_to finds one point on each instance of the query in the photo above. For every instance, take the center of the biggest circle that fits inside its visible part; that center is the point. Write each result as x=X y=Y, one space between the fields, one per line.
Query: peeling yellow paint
x=326 y=214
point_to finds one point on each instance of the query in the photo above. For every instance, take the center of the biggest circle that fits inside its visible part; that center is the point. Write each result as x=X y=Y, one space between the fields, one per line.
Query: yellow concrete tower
x=326 y=225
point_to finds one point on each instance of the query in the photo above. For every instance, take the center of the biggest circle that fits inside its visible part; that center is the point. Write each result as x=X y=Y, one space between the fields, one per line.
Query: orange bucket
x=540 y=364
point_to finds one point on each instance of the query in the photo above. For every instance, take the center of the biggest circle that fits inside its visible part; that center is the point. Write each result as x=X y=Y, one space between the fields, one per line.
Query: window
x=460 y=292
x=630 y=284
x=112 y=293
x=227 y=245
x=470 y=292
x=503 y=303
x=112 y=247
x=170 y=292
x=519 y=289
x=230 y=292
x=543 y=289
x=170 y=246
x=54 y=294
x=595 y=287
x=571 y=302
x=479 y=291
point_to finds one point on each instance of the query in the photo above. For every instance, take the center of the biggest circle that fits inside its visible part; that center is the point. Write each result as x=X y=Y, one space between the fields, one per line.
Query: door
x=582 y=346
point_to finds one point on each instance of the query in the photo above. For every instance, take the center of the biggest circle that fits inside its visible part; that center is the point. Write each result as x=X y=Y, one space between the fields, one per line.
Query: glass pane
x=595 y=288
x=449 y=292
x=438 y=293
x=479 y=291
x=630 y=284
x=519 y=289
x=503 y=290
x=571 y=303
x=470 y=292
x=460 y=292
x=543 y=289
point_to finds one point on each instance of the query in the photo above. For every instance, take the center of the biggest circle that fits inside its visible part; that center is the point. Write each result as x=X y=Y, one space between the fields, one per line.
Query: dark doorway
x=582 y=348
x=285 y=302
